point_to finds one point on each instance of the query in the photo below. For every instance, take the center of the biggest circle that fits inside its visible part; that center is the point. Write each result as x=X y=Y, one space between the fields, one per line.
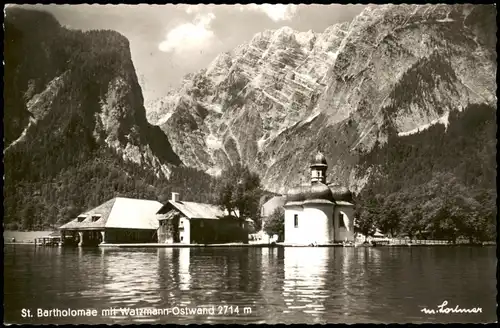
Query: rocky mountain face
x=65 y=84
x=395 y=70
x=75 y=128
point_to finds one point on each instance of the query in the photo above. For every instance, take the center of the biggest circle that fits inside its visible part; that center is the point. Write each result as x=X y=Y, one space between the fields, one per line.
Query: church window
x=341 y=220
x=296 y=220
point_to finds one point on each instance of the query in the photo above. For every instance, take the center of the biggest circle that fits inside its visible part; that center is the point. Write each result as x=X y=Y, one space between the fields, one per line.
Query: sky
x=170 y=41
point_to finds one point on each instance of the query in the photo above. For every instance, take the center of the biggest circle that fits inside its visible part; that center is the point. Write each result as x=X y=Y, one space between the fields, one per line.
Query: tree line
x=439 y=183
x=46 y=199
x=442 y=208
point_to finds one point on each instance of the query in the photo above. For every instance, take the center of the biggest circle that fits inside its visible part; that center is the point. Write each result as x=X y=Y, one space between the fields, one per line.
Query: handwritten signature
x=449 y=310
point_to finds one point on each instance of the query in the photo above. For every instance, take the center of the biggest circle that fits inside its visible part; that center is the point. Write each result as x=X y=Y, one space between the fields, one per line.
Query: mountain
x=394 y=71
x=75 y=128
x=401 y=97
x=82 y=80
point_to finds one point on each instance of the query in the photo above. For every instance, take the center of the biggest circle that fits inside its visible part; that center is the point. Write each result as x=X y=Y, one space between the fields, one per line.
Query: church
x=318 y=213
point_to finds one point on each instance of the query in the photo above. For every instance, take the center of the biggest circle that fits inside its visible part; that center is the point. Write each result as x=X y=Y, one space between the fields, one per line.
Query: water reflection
x=271 y=304
x=130 y=278
x=184 y=275
x=304 y=285
x=375 y=257
x=347 y=281
x=279 y=285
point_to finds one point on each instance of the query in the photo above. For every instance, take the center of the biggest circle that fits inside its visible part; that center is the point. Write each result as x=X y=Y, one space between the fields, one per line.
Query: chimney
x=175 y=196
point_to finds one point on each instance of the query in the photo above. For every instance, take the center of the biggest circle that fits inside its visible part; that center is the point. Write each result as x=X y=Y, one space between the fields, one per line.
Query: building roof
x=340 y=193
x=134 y=214
x=194 y=210
x=319 y=160
x=118 y=212
x=319 y=192
x=103 y=210
x=316 y=191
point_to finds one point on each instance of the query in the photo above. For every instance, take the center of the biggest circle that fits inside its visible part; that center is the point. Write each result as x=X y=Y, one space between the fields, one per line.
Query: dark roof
x=315 y=191
x=103 y=210
x=194 y=210
x=318 y=193
x=319 y=159
x=340 y=192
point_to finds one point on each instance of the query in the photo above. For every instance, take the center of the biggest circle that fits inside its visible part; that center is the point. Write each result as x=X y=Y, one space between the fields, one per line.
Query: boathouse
x=198 y=223
x=319 y=213
x=119 y=220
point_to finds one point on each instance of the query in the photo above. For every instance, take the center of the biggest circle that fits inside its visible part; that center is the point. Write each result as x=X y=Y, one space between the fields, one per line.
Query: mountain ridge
x=76 y=132
x=117 y=106
x=398 y=67
x=366 y=93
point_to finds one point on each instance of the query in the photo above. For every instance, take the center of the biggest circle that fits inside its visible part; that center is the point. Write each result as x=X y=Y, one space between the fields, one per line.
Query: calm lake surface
x=277 y=285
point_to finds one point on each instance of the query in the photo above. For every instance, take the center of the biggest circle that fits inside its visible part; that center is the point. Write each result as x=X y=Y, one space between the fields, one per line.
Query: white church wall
x=314 y=224
x=319 y=224
x=292 y=234
x=347 y=231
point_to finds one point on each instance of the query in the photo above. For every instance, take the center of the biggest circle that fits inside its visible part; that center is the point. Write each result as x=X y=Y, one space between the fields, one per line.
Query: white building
x=319 y=213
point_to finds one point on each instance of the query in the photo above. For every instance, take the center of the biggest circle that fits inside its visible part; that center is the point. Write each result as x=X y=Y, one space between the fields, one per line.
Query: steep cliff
x=272 y=102
x=83 y=80
x=71 y=99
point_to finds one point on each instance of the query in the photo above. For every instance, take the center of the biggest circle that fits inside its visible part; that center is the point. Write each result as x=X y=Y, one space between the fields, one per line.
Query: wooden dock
x=312 y=245
x=48 y=241
x=158 y=245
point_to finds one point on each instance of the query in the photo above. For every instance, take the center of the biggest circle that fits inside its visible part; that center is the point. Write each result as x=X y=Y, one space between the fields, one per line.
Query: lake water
x=265 y=285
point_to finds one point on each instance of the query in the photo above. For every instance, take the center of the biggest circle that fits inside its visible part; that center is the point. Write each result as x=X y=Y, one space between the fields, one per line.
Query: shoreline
x=157 y=245
x=20 y=243
x=260 y=245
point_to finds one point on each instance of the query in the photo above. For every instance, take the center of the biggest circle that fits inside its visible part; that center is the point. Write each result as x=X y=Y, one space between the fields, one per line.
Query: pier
x=48 y=241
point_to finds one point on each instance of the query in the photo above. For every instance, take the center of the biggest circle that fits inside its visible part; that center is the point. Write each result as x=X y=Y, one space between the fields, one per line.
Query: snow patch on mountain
x=441 y=120
x=284 y=93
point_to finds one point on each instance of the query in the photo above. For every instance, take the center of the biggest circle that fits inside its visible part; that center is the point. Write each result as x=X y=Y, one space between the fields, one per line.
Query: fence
x=419 y=242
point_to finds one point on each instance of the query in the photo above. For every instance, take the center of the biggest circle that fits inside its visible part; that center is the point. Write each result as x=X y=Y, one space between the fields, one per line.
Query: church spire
x=318 y=167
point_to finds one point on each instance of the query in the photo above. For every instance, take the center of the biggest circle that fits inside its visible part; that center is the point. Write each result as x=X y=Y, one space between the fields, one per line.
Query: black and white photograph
x=249 y=163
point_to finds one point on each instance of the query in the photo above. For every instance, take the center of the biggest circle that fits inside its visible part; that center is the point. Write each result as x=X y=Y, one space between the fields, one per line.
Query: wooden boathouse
x=119 y=220
x=198 y=223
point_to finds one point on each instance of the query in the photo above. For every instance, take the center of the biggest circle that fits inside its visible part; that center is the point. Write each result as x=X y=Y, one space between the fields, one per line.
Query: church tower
x=318 y=168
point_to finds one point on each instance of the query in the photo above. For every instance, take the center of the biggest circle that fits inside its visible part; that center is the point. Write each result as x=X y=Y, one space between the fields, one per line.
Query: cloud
x=277 y=12
x=190 y=37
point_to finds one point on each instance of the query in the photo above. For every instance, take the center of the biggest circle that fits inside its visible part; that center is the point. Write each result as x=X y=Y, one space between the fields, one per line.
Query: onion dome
x=296 y=194
x=341 y=193
x=319 y=160
x=316 y=193
x=319 y=191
